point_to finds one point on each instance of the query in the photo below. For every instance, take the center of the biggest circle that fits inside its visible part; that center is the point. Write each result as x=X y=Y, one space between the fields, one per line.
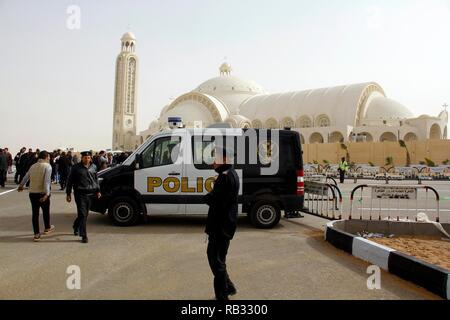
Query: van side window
x=161 y=152
x=203 y=151
x=147 y=155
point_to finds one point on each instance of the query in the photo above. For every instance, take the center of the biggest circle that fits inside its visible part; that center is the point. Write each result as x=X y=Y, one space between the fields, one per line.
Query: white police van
x=171 y=172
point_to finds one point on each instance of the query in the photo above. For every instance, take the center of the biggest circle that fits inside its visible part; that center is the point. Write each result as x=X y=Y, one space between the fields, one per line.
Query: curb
x=424 y=274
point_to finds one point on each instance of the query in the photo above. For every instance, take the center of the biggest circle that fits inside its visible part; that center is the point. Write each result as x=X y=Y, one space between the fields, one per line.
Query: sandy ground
x=430 y=249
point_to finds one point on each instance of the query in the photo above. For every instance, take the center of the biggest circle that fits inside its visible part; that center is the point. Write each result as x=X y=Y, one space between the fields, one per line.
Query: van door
x=200 y=172
x=159 y=179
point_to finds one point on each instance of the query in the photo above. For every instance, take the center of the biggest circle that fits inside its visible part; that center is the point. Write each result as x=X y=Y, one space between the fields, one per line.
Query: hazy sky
x=56 y=84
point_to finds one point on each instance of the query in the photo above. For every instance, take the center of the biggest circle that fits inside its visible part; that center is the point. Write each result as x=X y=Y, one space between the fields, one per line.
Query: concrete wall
x=377 y=152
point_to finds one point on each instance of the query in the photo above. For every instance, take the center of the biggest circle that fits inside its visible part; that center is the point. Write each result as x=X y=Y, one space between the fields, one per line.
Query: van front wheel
x=123 y=212
x=265 y=214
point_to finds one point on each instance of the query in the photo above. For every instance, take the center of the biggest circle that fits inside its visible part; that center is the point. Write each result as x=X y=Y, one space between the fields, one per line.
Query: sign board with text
x=391 y=192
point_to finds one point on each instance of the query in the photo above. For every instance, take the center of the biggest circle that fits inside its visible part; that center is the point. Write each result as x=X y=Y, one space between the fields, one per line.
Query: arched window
x=411 y=136
x=336 y=137
x=323 y=121
x=316 y=138
x=272 y=124
x=366 y=137
x=435 y=132
x=388 y=136
x=257 y=124
x=287 y=123
x=304 y=122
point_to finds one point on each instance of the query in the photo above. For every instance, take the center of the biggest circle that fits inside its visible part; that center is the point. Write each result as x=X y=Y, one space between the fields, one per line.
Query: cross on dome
x=225 y=69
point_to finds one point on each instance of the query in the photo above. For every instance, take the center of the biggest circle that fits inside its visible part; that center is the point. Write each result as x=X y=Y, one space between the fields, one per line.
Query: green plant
x=325 y=161
x=422 y=163
x=347 y=154
x=315 y=162
x=389 y=161
x=402 y=144
x=430 y=162
x=371 y=164
x=446 y=162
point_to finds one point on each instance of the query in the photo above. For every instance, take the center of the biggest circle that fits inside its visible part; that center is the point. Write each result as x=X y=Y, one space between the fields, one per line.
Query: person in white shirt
x=40 y=176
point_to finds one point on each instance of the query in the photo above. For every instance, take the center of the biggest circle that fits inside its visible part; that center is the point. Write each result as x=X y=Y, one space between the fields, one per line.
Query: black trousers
x=2 y=177
x=16 y=176
x=83 y=202
x=341 y=176
x=36 y=204
x=217 y=255
x=63 y=179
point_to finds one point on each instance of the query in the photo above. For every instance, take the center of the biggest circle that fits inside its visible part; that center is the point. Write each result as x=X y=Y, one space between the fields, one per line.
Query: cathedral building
x=359 y=112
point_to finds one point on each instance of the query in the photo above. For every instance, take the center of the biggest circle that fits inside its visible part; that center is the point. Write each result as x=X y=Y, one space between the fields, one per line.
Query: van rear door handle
x=174 y=174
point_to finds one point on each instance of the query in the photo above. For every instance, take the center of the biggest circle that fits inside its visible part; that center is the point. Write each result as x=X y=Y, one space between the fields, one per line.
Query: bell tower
x=125 y=95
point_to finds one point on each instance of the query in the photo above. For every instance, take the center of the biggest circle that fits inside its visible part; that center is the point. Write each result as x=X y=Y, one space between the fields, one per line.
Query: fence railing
x=384 y=200
x=323 y=200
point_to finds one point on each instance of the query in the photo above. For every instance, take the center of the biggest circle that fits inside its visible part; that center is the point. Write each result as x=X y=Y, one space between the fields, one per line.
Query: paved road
x=165 y=259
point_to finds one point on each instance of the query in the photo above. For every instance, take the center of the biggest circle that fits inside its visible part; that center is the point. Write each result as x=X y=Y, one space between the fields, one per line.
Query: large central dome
x=226 y=83
x=229 y=84
x=229 y=90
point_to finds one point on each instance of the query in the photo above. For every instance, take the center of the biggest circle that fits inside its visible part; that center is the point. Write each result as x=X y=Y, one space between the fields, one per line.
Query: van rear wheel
x=265 y=214
x=123 y=211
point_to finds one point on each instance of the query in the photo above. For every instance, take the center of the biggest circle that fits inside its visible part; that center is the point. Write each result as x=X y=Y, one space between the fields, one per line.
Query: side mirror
x=138 y=162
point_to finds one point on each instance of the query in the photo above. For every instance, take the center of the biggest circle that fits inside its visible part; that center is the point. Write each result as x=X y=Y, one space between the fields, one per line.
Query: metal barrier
x=333 y=180
x=395 y=198
x=323 y=200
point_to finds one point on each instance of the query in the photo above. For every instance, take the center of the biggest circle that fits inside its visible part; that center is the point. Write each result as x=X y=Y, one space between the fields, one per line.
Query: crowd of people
x=79 y=175
x=60 y=161
x=39 y=169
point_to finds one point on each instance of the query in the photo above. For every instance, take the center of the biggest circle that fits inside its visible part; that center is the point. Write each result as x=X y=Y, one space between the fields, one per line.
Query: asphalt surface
x=165 y=258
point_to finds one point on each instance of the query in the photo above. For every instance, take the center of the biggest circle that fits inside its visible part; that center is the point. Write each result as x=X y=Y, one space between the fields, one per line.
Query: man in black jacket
x=221 y=222
x=18 y=164
x=83 y=179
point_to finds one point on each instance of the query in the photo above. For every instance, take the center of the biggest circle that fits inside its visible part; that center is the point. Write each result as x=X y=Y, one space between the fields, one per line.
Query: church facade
x=356 y=112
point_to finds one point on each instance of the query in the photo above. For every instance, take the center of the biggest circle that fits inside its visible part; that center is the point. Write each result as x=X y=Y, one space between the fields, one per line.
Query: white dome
x=128 y=36
x=229 y=84
x=385 y=108
x=339 y=104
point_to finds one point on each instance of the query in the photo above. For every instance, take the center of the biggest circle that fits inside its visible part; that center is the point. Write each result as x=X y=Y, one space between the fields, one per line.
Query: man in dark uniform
x=221 y=222
x=83 y=180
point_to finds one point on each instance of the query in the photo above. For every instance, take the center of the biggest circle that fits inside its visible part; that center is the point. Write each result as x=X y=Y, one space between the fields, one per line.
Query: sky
x=57 y=83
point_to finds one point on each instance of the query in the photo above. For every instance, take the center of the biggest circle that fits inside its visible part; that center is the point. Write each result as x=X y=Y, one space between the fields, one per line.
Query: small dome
x=128 y=36
x=229 y=84
x=385 y=109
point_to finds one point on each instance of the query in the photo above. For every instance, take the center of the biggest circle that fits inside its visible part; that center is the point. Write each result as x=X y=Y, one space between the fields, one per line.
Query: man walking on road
x=18 y=165
x=40 y=176
x=221 y=222
x=83 y=180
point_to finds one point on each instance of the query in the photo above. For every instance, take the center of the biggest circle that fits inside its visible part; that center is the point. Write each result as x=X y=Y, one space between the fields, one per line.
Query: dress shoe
x=231 y=291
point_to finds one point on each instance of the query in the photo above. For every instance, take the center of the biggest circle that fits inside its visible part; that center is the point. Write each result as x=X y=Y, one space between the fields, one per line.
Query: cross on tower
x=445 y=106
